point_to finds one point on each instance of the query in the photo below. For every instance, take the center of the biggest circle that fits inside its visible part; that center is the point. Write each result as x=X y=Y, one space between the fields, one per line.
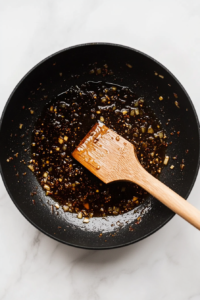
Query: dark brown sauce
x=64 y=123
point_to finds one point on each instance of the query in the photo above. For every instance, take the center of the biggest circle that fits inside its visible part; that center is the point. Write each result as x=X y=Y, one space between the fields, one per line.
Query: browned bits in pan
x=63 y=124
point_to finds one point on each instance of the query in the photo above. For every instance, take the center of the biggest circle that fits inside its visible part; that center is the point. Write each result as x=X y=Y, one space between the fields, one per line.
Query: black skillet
x=71 y=67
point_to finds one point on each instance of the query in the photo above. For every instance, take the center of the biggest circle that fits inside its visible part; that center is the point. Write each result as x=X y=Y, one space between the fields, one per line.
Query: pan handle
x=168 y=197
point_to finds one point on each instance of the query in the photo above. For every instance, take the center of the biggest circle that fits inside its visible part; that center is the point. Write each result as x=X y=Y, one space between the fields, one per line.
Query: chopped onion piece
x=65 y=138
x=115 y=208
x=47 y=187
x=150 y=129
x=182 y=166
x=115 y=212
x=137 y=111
x=113 y=88
x=151 y=138
x=160 y=134
x=136 y=102
x=166 y=160
x=141 y=100
x=99 y=71
x=31 y=167
x=80 y=215
x=143 y=129
x=57 y=206
x=177 y=104
x=91 y=214
x=124 y=111
x=60 y=140
x=86 y=220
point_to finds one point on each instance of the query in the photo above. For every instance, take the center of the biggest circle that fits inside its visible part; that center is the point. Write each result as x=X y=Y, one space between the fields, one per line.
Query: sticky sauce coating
x=64 y=123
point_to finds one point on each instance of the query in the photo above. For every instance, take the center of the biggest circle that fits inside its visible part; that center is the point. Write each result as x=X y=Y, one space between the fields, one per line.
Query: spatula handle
x=169 y=198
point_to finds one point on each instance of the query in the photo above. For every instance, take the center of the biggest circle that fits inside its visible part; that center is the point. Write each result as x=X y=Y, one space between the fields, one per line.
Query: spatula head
x=106 y=154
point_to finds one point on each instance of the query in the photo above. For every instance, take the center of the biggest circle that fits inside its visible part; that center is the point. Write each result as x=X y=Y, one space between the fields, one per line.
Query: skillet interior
x=44 y=82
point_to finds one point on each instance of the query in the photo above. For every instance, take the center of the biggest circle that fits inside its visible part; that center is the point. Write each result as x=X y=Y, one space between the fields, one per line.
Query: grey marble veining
x=164 y=266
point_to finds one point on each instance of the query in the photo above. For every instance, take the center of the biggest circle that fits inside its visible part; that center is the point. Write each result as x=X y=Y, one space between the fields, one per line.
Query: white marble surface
x=165 y=266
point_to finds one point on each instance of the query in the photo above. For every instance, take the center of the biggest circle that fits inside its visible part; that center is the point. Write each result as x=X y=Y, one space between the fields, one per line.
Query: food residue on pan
x=63 y=124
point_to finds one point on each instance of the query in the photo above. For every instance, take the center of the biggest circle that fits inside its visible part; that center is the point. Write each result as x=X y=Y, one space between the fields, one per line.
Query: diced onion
x=124 y=111
x=31 y=167
x=65 y=208
x=47 y=187
x=166 y=160
x=160 y=134
x=60 y=140
x=113 y=88
x=80 y=215
x=65 y=138
x=143 y=129
x=136 y=102
x=177 y=104
x=150 y=129
x=137 y=111
x=182 y=166
x=86 y=220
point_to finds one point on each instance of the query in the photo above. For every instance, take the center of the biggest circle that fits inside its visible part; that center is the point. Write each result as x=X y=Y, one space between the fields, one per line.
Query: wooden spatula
x=110 y=157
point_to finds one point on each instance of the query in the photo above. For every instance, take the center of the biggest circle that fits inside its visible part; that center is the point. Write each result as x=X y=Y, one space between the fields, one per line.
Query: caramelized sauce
x=64 y=123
